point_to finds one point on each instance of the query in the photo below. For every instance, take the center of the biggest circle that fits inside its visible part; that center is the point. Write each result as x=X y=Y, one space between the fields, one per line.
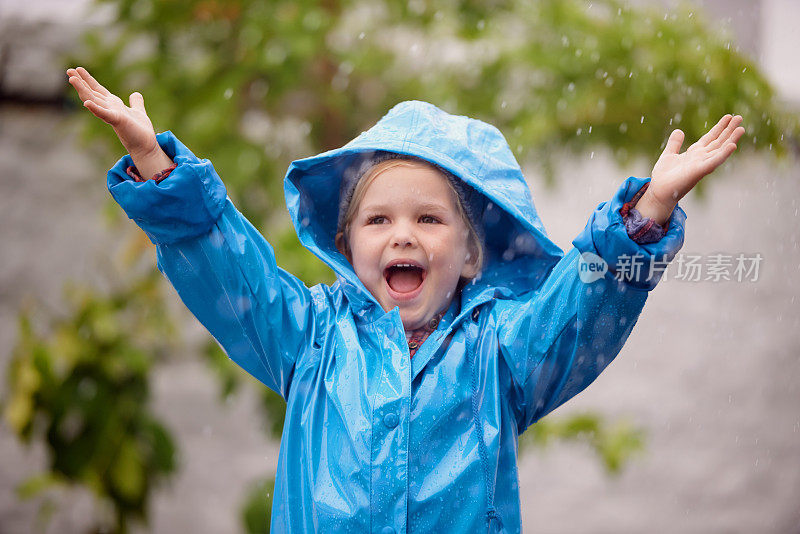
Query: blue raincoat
x=375 y=441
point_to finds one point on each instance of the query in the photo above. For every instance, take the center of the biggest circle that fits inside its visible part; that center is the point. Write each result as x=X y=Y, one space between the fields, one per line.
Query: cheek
x=365 y=258
x=448 y=253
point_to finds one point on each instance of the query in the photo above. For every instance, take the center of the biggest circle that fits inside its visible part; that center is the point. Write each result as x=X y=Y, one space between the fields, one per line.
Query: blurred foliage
x=83 y=390
x=252 y=85
x=614 y=444
x=257 y=508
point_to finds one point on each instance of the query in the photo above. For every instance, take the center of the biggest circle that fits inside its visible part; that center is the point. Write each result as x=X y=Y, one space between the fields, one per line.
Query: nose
x=403 y=236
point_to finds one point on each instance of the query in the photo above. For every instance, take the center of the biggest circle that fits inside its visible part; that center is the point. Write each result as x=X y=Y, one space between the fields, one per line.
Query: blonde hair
x=474 y=244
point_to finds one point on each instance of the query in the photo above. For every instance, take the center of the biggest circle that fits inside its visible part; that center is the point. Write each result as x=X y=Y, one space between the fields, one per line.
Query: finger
x=84 y=91
x=718 y=158
x=734 y=138
x=726 y=134
x=108 y=115
x=137 y=101
x=674 y=142
x=94 y=84
x=80 y=86
x=736 y=135
x=714 y=132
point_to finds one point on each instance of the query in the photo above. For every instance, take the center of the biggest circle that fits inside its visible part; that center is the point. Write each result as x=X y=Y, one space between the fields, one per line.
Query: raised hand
x=130 y=123
x=675 y=174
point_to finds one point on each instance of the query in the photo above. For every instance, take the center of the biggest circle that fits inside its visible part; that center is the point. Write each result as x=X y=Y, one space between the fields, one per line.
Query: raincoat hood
x=518 y=252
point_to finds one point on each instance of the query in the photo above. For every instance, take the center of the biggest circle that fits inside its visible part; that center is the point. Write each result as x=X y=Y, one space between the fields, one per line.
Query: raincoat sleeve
x=561 y=338
x=221 y=266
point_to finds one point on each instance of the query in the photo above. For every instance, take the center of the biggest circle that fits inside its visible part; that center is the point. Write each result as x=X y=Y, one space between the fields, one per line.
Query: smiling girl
x=454 y=324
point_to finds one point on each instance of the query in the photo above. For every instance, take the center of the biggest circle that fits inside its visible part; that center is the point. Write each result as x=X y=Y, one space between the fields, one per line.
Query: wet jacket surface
x=375 y=441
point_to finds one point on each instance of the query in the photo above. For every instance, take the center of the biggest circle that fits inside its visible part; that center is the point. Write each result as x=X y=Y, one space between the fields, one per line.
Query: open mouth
x=404 y=279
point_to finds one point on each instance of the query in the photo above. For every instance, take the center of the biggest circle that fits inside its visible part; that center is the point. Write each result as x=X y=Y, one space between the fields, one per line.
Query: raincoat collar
x=518 y=252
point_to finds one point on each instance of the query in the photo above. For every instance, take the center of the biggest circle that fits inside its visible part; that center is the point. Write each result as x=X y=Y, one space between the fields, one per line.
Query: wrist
x=152 y=162
x=651 y=207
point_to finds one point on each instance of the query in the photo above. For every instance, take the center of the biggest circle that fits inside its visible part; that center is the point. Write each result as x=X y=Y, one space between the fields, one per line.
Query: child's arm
x=221 y=266
x=557 y=342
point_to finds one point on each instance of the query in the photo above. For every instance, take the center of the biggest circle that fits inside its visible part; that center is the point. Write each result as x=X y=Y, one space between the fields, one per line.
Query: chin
x=412 y=320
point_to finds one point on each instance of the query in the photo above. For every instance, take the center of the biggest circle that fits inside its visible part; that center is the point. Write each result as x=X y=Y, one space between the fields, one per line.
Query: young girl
x=454 y=324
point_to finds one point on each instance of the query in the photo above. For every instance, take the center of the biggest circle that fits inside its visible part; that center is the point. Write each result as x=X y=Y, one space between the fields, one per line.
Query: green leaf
x=615 y=445
x=257 y=507
x=127 y=474
x=35 y=485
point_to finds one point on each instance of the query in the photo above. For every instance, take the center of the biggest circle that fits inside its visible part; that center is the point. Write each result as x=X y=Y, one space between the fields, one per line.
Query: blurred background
x=121 y=414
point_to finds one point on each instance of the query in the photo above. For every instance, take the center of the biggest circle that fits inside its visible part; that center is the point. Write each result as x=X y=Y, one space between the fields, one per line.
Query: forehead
x=410 y=181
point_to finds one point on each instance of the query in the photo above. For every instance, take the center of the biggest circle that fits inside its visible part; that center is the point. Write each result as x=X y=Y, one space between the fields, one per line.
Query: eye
x=429 y=219
x=376 y=219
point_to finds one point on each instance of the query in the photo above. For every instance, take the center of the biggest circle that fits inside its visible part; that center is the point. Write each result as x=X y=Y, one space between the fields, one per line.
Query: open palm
x=131 y=123
x=676 y=174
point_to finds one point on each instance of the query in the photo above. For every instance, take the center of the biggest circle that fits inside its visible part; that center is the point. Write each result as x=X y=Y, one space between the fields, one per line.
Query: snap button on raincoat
x=373 y=440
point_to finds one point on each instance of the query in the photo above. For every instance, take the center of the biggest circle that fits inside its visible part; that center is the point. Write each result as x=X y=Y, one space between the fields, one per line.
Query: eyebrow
x=424 y=206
